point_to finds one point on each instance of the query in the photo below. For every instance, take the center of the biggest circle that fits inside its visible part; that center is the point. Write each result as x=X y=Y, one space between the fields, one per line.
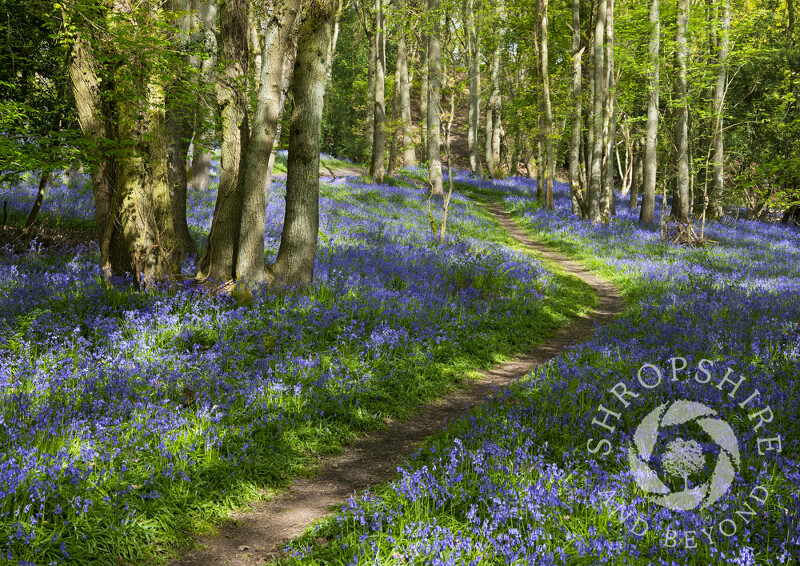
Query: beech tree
x=647 y=212
x=473 y=54
x=681 y=198
x=379 y=111
x=435 y=178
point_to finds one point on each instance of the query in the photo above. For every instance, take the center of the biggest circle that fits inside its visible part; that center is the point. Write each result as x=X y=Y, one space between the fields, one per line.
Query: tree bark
x=637 y=180
x=424 y=95
x=379 y=112
x=493 y=126
x=181 y=111
x=681 y=115
x=369 y=131
x=218 y=261
x=577 y=110
x=294 y=265
x=205 y=37
x=647 y=213
x=275 y=46
x=600 y=92
x=93 y=118
x=434 y=104
x=718 y=102
x=548 y=112
x=121 y=113
x=201 y=169
x=395 y=129
x=44 y=180
x=409 y=156
x=473 y=47
x=609 y=118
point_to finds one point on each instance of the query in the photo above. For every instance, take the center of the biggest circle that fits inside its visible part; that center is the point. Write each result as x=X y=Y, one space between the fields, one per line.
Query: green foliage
x=346 y=96
x=37 y=122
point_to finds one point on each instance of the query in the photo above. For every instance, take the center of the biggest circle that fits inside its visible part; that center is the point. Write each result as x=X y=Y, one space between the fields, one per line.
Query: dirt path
x=255 y=534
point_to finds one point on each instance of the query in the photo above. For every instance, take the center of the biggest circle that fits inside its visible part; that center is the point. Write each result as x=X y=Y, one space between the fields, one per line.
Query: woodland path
x=255 y=534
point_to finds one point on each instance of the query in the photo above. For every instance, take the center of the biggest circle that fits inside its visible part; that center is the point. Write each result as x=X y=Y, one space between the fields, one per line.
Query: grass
x=132 y=420
x=516 y=481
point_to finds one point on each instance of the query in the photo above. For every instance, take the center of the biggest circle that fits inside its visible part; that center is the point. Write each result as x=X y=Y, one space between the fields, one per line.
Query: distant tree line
x=696 y=100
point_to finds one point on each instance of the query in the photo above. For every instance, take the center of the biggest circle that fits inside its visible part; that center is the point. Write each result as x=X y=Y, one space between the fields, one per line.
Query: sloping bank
x=597 y=459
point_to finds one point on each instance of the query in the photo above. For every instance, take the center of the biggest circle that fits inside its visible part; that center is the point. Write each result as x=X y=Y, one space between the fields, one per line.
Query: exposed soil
x=255 y=535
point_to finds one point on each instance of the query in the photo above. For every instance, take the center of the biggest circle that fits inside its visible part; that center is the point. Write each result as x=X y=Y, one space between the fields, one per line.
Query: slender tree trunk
x=577 y=112
x=395 y=122
x=274 y=46
x=493 y=117
x=434 y=103
x=288 y=69
x=474 y=70
x=548 y=112
x=600 y=92
x=720 y=86
x=181 y=112
x=409 y=156
x=609 y=117
x=40 y=192
x=637 y=180
x=681 y=115
x=647 y=213
x=218 y=260
x=379 y=137
x=369 y=131
x=204 y=39
x=424 y=95
x=294 y=265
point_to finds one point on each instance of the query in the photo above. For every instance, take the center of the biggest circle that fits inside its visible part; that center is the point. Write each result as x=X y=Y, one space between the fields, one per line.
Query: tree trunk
x=294 y=265
x=128 y=136
x=424 y=95
x=681 y=115
x=548 y=112
x=395 y=121
x=181 y=111
x=600 y=93
x=93 y=118
x=286 y=81
x=493 y=118
x=577 y=111
x=274 y=45
x=204 y=40
x=434 y=104
x=201 y=169
x=647 y=213
x=474 y=69
x=609 y=118
x=369 y=131
x=40 y=192
x=409 y=156
x=637 y=180
x=379 y=136
x=720 y=86
x=218 y=260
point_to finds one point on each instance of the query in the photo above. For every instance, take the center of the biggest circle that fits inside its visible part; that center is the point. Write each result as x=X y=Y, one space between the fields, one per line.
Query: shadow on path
x=255 y=534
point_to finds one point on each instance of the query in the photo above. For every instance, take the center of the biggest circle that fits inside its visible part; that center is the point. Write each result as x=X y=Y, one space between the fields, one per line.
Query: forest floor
x=257 y=534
